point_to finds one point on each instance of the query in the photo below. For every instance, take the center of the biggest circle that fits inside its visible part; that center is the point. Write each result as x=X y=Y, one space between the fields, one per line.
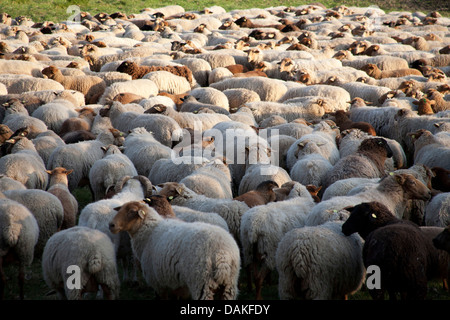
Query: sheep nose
x=111 y=225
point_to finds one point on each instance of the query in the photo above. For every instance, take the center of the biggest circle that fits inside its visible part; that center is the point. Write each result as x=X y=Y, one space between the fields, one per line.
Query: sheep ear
x=48 y=171
x=179 y=190
x=68 y=171
x=141 y=214
x=117 y=208
x=400 y=179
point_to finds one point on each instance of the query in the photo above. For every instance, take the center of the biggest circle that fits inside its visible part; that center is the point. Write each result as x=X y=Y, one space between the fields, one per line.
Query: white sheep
x=144 y=150
x=206 y=263
x=260 y=172
x=96 y=215
x=19 y=235
x=262 y=227
x=81 y=156
x=86 y=251
x=45 y=207
x=168 y=82
x=310 y=169
x=142 y=87
x=268 y=89
x=105 y=173
x=230 y=210
x=191 y=215
x=437 y=210
x=24 y=164
x=338 y=95
x=319 y=263
x=212 y=180
x=165 y=129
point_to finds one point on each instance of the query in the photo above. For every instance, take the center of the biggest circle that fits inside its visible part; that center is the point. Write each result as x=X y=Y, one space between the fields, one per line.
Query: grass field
x=56 y=10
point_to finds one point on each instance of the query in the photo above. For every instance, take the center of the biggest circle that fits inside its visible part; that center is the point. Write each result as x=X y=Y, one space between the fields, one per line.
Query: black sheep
x=442 y=240
x=398 y=247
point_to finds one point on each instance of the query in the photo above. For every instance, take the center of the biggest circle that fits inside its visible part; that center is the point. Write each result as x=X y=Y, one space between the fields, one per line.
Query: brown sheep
x=373 y=71
x=127 y=97
x=82 y=122
x=253 y=73
x=161 y=205
x=5 y=133
x=136 y=71
x=439 y=103
x=263 y=194
x=314 y=192
x=177 y=98
x=58 y=186
x=77 y=136
x=343 y=122
x=424 y=106
x=91 y=86
x=237 y=68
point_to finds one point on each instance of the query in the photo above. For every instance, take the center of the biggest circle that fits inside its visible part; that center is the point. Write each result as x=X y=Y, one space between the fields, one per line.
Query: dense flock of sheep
x=304 y=142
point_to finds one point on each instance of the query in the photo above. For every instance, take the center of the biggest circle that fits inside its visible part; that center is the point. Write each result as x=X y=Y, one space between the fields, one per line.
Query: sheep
x=309 y=110
x=209 y=95
x=144 y=150
x=81 y=156
x=137 y=72
x=373 y=71
x=142 y=87
x=165 y=129
x=319 y=263
x=175 y=168
x=343 y=121
x=268 y=89
x=83 y=121
x=394 y=246
x=21 y=67
x=339 y=96
x=168 y=82
x=92 y=252
x=441 y=240
x=429 y=150
x=46 y=142
x=212 y=180
x=209 y=249
x=91 y=86
x=262 y=227
x=310 y=143
x=24 y=164
x=21 y=84
x=96 y=215
x=394 y=190
x=16 y=116
x=45 y=207
x=311 y=169
x=105 y=173
x=200 y=69
x=58 y=186
x=230 y=210
x=369 y=162
x=436 y=211
x=260 y=172
x=263 y=194
x=19 y=236
x=188 y=119
x=55 y=113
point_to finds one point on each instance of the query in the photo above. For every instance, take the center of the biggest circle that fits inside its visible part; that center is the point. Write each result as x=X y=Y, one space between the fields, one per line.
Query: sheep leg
x=21 y=279
x=445 y=284
x=259 y=276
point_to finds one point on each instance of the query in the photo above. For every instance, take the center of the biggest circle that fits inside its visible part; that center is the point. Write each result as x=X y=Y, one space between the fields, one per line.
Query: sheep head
x=371 y=69
x=415 y=135
x=412 y=187
x=129 y=217
x=171 y=190
x=161 y=205
x=366 y=217
x=377 y=145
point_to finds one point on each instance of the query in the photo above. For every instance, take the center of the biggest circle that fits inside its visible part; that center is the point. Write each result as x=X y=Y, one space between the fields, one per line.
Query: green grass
x=56 y=10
